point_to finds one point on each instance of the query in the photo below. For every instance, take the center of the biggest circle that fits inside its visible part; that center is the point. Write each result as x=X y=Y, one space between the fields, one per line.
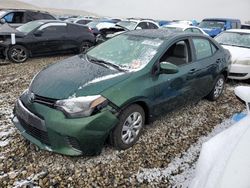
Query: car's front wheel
x=128 y=130
x=218 y=89
x=18 y=54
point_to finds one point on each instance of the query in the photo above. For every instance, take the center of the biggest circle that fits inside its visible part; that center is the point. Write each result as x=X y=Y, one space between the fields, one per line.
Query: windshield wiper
x=102 y=62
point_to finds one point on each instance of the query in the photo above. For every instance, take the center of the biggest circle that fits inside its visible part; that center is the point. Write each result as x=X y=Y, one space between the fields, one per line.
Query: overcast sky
x=157 y=9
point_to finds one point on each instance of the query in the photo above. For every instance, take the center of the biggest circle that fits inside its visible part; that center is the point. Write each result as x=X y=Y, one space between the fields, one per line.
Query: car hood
x=6 y=30
x=75 y=77
x=212 y=31
x=238 y=53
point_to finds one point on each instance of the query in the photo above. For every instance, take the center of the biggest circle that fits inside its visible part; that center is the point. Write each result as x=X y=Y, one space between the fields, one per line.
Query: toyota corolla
x=109 y=93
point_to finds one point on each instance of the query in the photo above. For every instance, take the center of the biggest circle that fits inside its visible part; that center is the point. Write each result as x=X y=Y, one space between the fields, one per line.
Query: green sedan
x=109 y=93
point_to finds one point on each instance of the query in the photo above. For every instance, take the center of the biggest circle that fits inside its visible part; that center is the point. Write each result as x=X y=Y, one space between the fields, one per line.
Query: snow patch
x=181 y=170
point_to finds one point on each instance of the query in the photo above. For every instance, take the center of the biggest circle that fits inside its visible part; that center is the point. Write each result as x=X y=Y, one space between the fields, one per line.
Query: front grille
x=237 y=74
x=73 y=142
x=36 y=133
x=44 y=100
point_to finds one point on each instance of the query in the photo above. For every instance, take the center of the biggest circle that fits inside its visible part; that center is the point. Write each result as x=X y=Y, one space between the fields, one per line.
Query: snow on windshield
x=127 y=51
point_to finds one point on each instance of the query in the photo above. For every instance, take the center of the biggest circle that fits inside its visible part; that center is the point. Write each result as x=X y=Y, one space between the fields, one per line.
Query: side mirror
x=168 y=68
x=38 y=33
x=2 y=21
x=138 y=28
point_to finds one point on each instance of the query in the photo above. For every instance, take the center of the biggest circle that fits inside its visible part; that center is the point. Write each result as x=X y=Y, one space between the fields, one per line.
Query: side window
x=46 y=16
x=152 y=26
x=143 y=25
x=196 y=30
x=14 y=17
x=178 y=54
x=54 y=30
x=203 y=48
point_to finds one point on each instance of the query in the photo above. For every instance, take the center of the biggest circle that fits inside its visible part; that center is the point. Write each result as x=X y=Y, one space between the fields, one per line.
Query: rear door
x=207 y=60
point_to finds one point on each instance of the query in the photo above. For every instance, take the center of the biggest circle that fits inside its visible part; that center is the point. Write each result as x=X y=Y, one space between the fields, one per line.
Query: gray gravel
x=23 y=165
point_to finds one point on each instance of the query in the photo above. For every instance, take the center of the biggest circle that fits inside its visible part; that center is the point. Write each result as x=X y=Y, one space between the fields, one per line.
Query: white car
x=133 y=24
x=224 y=160
x=184 y=27
x=237 y=41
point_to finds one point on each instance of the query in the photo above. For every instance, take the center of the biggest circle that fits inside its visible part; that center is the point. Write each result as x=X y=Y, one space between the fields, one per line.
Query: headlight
x=81 y=106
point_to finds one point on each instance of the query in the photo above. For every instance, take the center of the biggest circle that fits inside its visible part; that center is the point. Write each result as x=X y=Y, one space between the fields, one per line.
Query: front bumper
x=49 y=129
x=239 y=72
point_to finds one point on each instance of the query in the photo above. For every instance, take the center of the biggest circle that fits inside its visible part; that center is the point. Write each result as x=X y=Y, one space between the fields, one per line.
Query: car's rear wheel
x=218 y=89
x=18 y=54
x=128 y=130
x=85 y=46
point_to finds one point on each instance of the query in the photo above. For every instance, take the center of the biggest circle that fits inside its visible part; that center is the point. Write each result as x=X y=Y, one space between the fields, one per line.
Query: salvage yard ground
x=163 y=156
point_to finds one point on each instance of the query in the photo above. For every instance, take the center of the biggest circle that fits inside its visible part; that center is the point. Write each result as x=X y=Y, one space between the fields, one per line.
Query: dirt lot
x=22 y=164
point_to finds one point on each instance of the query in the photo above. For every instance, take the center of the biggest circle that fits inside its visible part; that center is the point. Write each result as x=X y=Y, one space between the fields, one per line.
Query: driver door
x=175 y=90
x=50 y=39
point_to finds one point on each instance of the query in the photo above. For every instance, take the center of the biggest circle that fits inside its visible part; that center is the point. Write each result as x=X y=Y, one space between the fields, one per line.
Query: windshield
x=212 y=24
x=2 y=13
x=234 y=39
x=127 y=51
x=130 y=25
x=28 y=27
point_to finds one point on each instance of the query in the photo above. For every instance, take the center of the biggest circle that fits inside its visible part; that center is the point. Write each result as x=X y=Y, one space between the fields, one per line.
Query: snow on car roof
x=239 y=30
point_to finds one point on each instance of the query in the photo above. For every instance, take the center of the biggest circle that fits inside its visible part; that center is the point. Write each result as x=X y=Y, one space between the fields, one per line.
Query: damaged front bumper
x=49 y=129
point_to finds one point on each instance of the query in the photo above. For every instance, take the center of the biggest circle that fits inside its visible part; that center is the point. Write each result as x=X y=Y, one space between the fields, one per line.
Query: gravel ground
x=163 y=141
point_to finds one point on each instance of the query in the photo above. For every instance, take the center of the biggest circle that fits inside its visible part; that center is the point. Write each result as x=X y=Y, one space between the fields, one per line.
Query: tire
x=127 y=131
x=18 y=54
x=85 y=46
x=218 y=89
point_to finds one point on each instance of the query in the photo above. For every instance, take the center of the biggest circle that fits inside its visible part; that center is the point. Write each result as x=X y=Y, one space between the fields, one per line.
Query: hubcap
x=218 y=88
x=18 y=54
x=131 y=127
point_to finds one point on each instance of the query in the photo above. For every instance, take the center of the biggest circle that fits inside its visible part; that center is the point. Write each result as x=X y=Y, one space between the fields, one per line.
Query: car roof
x=239 y=30
x=161 y=33
x=220 y=19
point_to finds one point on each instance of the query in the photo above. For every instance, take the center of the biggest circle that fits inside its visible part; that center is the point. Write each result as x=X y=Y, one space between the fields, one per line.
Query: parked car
x=74 y=106
x=224 y=159
x=214 y=26
x=43 y=37
x=18 y=17
x=110 y=30
x=82 y=21
x=93 y=25
x=237 y=41
x=179 y=27
x=245 y=26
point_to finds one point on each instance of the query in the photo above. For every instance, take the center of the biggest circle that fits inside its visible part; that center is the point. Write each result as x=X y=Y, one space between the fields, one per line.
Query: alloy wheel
x=131 y=127
x=218 y=87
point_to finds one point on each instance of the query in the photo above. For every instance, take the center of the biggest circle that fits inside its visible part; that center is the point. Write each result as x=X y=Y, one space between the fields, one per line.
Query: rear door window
x=54 y=30
x=203 y=48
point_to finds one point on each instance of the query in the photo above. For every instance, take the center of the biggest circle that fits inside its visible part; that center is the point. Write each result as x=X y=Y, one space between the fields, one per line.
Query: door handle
x=192 y=71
